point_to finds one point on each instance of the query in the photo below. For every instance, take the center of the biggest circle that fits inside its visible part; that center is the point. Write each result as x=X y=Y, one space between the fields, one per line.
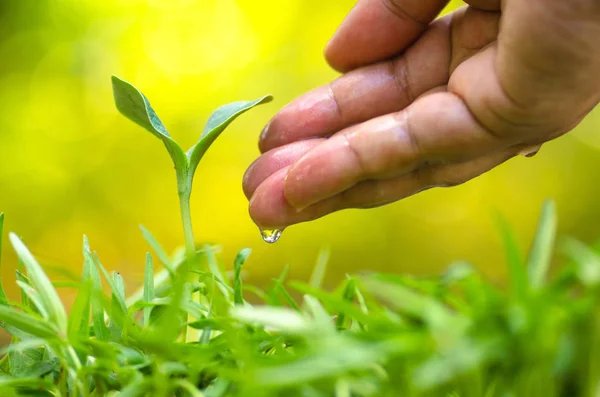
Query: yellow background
x=70 y=164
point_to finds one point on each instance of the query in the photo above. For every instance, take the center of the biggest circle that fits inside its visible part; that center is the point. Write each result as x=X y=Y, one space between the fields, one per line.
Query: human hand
x=426 y=104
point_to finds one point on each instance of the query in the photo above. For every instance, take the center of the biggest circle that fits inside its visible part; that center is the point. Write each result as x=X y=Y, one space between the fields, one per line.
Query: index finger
x=375 y=30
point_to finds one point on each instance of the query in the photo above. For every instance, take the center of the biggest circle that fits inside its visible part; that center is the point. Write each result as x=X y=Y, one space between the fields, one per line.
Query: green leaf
x=42 y=284
x=217 y=122
x=188 y=387
x=318 y=274
x=136 y=107
x=280 y=288
x=148 y=288
x=516 y=265
x=21 y=277
x=91 y=271
x=240 y=259
x=278 y=318
x=31 y=343
x=118 y=308
x=348 y=296
x=116 y=284
x=27 y=323
x=3 y=298
x=34 y=297
x=158 y=249
x=336 y=302
x=26 y=383
x=411 y=302
x=215 y=270
x=588 y=261
x=137 y=388
x=79 y=317
x=543 y=245
x=322 y=319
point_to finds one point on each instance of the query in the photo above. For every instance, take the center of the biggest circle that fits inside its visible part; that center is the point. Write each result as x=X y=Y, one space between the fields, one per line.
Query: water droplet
x=270 y=235
x=530 y=151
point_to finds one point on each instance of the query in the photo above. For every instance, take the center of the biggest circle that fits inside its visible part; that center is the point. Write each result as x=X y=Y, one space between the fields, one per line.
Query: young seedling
x=135 y=106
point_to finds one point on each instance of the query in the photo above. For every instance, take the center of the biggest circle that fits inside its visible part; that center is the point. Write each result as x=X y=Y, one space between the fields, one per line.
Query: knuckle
x=399 y=9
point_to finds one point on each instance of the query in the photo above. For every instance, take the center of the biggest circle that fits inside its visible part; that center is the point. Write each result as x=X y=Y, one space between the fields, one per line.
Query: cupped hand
x=425 y=104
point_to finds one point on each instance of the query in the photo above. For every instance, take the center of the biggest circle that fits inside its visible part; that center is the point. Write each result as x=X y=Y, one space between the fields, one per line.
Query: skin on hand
x=426 y=103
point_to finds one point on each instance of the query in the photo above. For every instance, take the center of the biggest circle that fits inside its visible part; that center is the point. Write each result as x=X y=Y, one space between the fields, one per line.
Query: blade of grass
x=282 y=319
x=239 y=261
x=334 y=302
x=158 y=250
x=116 y=284
x=148 y=288
x=34 y=298
x=516 y=265
x=118 y=311
x=79 y=317
x=40 y=281
x=91 y=271
x=543 y=244
x=273 y=294
x=20 y=276
x=23 y=345
x=27 y=323
x=588 y=261
x=318 y=274
x=3 y=298
x=286 y=295
x=215 y=269
x=348 y=296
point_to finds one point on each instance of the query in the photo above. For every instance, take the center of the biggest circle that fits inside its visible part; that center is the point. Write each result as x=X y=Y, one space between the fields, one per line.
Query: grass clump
x=190 y=331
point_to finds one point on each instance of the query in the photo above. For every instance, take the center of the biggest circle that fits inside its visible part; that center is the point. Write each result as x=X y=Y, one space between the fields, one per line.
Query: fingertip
x=331 y=55
x=268 y=207
x=247 y=185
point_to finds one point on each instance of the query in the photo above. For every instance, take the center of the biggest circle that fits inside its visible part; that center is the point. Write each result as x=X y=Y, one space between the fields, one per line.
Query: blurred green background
x=70 y=164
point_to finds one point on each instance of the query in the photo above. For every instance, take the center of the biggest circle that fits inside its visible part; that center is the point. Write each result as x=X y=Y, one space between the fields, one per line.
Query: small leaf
x=217 y=122
x=42 y=284
x=148 y=288
x=543 y=245
x=240 y=259
x=136 y=107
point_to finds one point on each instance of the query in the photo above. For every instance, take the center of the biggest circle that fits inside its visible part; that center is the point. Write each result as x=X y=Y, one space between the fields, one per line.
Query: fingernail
x=292 y=206
x=265 y=131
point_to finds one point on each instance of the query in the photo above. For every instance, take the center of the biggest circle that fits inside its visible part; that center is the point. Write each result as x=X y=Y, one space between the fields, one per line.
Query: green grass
x=375 y=335
x=190 y=331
